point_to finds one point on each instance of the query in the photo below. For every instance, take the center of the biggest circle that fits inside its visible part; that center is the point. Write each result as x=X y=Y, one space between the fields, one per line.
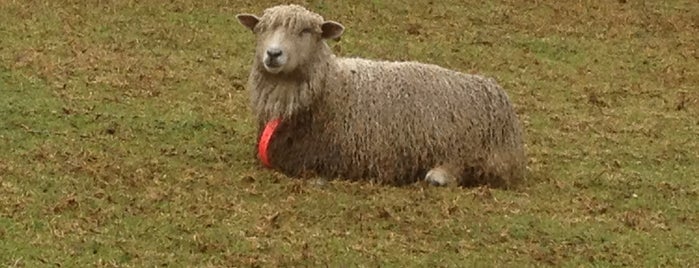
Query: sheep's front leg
x=441 y=176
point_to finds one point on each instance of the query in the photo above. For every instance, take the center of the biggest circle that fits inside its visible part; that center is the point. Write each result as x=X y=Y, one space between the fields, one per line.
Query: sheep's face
x=289 y=37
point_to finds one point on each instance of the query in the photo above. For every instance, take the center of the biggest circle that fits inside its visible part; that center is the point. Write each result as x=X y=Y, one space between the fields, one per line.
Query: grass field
x=126 y=138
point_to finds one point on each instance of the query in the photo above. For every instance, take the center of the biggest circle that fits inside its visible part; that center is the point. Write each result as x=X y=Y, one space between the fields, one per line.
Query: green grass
x=126 y=139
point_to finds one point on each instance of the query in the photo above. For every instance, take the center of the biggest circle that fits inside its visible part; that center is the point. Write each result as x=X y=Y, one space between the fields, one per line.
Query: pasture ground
x=126 y=138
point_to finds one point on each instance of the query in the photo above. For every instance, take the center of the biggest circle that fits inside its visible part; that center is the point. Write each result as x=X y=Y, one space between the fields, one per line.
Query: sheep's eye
x=306 y=31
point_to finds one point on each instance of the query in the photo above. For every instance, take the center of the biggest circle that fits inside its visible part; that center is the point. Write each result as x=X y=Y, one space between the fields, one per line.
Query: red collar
x=264 y=141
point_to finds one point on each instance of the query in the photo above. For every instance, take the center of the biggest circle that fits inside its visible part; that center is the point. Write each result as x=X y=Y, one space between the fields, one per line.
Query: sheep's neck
x=282 y=96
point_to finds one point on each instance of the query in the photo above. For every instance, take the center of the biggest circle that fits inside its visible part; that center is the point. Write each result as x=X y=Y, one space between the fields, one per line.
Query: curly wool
x=389 y=122
x=292 y=17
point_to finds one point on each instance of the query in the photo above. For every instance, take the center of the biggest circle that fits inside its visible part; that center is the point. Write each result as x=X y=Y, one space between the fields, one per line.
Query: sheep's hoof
x=439 y=177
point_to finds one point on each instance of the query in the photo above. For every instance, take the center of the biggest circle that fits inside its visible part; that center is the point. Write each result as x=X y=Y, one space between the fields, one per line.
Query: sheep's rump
x=393 y=121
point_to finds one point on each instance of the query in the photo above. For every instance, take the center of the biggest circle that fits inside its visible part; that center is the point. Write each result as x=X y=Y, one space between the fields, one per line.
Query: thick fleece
x=389 y=122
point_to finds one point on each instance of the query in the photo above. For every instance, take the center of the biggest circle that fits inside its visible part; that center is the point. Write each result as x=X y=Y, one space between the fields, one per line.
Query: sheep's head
x=288 y=36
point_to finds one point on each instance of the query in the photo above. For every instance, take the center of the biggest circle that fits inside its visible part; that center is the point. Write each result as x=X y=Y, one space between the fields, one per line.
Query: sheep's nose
x=274 y=52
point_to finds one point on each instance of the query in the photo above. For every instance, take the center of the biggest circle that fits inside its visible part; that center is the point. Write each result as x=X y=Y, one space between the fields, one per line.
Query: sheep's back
x=401 y=118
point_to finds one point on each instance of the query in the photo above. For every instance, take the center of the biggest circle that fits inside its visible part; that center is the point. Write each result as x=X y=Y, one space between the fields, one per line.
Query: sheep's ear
x=332 y=30
x=248 y=20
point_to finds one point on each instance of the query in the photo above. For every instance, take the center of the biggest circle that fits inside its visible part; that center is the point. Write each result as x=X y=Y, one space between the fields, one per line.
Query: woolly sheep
x=388 y=122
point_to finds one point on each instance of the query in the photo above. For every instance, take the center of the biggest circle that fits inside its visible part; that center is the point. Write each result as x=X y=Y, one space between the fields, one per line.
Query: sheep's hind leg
x=441 y=176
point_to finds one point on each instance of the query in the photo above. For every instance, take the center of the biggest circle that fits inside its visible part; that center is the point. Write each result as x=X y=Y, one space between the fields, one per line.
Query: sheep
x=388 y=122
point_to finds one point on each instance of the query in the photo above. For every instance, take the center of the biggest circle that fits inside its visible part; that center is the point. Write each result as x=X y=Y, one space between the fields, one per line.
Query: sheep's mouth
x=273 y=66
